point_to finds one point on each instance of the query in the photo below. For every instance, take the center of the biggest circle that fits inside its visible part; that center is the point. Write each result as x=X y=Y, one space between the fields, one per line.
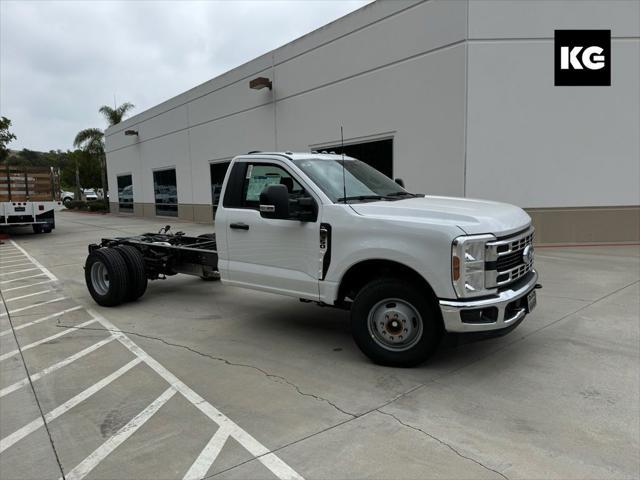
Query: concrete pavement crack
x=443 y=443
x=268 y=375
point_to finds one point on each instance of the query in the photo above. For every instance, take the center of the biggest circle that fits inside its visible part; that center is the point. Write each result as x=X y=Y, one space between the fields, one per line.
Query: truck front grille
x=505 y=259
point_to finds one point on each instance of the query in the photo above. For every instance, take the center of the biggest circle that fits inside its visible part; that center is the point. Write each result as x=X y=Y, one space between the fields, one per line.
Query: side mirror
x=274 y=202
x=307 y=210
x=400 y=182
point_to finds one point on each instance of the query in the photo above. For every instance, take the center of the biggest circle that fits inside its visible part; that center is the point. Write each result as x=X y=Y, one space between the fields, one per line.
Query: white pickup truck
x=335 y=231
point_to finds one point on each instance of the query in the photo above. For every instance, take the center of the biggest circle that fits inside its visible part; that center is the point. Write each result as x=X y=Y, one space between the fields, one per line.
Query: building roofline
x=377 y=10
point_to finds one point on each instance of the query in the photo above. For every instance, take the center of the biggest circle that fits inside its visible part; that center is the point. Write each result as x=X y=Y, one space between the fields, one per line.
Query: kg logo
x=582 y=57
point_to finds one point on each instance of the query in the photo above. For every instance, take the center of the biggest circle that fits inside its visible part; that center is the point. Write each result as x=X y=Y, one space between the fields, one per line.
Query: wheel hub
x=100 y=278
x=395 y=324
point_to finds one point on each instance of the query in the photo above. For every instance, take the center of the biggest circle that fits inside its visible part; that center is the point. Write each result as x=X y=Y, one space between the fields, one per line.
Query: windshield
x=361 y=181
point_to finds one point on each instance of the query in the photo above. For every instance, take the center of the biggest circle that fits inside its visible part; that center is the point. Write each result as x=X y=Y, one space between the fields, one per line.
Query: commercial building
x=456 y=97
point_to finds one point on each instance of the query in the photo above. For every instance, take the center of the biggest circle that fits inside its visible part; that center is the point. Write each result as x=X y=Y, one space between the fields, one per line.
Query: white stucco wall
x=464 y=88
x=537 y=145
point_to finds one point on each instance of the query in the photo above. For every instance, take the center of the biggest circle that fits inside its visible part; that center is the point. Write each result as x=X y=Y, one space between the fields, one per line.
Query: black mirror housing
x=400 y=182
x=274 y=202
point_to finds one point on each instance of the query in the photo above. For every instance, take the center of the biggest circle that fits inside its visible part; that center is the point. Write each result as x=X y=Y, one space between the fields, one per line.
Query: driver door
x=276 y=255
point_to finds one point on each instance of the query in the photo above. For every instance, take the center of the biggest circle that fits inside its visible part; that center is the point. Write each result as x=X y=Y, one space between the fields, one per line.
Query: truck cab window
x=259 y=176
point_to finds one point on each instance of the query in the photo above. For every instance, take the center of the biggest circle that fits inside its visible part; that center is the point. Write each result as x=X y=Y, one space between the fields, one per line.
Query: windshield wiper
x=361 y=197
x=399 y=194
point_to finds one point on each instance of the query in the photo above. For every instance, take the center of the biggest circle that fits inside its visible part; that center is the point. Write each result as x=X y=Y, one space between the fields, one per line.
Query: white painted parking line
x=11 y=262
x=209 y=453
x=262 y=453
x=4 y=356
x=7 y=300
x=56 y=366
x=226 y=427
x=35 y=262
x=29 y=307
x=16 y=265
x=100 y=453
x=25 y=286
x=39 y=320
x=18 y=435
x=8 y=254
x=22 y=278
x=19 y=271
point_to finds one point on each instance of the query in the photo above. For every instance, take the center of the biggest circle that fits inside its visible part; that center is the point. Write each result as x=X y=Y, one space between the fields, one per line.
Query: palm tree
x=115 y=115
x=91 y=140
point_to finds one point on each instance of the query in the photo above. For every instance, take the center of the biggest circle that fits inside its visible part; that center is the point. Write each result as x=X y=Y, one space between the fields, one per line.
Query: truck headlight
x=467 y=265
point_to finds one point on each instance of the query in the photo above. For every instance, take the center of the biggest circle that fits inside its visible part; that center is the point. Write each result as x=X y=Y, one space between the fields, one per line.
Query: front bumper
x=508 y=304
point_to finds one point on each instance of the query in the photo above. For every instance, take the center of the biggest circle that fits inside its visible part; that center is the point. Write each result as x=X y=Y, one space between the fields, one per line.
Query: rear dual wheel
x=115 y=275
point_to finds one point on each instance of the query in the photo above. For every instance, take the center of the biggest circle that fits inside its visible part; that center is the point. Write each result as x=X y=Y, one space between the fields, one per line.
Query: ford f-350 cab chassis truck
x=333 y=230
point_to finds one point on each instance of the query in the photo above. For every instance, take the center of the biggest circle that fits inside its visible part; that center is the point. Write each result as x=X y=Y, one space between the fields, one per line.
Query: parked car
x=90 y=194
x=67 y=197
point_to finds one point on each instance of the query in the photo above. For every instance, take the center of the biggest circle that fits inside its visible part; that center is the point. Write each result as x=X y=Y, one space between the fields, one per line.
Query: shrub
x=94 y=206
x=97 y=206
x=77 y=205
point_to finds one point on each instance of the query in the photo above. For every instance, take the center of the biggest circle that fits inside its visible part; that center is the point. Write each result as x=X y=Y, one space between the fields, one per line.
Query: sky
x=61 y=60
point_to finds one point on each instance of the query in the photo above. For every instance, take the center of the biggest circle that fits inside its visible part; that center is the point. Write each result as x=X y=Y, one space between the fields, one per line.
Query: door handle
x=239 y=226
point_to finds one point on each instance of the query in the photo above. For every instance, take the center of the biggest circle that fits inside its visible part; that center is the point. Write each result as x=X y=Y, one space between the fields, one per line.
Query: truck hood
x=471 y=215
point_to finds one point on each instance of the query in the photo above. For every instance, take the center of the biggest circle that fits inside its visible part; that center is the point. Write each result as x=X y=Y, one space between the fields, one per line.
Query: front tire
x=106 y=276
x=395 y=323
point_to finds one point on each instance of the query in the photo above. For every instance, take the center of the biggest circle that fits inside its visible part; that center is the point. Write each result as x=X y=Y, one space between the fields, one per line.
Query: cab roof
x=298 y=155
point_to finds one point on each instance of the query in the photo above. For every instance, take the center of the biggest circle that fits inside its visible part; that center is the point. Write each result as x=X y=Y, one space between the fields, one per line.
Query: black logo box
x=585 y=76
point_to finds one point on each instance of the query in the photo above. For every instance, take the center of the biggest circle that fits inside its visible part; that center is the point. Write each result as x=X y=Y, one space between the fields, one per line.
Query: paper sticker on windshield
x=259 y=183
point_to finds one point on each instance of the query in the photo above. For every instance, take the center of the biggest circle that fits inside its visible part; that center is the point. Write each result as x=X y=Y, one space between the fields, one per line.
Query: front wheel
x=395 y=323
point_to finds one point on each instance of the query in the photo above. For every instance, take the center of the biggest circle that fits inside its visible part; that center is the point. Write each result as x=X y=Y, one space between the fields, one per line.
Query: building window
x=166 y=192
x=218 y=171
x=378 y=154
x=125 y=193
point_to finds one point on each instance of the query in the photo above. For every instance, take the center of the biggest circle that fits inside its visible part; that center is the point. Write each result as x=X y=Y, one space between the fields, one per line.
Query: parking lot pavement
x=197 y=379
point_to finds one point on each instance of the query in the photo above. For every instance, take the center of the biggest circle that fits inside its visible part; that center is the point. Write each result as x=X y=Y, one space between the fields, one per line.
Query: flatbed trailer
x=29 y=196
x=117 y=269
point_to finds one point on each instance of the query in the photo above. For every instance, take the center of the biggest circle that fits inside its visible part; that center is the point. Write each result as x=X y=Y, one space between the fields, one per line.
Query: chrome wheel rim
x=395 y=324
x=100 y=278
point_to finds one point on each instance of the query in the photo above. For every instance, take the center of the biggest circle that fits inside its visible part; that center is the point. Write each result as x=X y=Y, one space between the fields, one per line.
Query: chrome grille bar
x=496 y=277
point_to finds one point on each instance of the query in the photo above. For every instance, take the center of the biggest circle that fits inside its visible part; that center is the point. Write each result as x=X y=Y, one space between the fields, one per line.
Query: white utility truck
x=335 y=231
x=29 y=196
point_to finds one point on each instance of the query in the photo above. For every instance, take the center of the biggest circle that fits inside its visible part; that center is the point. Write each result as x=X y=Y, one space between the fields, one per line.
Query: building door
x=218 y=171
x=378 y=154
x=165 y=188
x=125 y=193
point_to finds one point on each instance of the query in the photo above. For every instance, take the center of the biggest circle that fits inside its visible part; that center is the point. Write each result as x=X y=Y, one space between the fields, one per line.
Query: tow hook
x=538 y=286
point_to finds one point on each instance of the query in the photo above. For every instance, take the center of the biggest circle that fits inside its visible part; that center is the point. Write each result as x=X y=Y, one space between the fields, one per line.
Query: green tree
x=115 y=115
x=88 y=169
x=91 y=140
x=5 y=137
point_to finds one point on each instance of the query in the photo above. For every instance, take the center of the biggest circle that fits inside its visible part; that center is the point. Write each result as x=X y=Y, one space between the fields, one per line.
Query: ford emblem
x=527 y=254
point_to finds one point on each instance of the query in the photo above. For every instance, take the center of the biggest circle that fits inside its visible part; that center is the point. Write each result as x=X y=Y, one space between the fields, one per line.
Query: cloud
x=61 y=60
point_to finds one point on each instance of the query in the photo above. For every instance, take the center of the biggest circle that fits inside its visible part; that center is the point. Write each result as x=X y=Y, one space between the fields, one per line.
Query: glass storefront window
x=125 y=193
x=166 y=192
